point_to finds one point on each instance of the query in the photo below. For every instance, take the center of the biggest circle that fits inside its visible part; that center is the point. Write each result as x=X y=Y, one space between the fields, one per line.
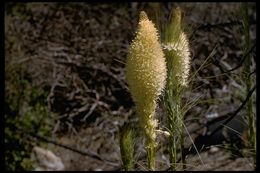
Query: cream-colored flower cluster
x=182 y=55
x=146 y=76
x=177 y=49
x=145 y=66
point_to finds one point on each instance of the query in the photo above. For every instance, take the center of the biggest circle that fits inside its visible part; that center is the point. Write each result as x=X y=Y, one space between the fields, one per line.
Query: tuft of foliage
x=127 y=143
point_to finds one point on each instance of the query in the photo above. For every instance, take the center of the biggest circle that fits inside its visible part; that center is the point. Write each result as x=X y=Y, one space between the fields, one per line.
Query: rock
x=47 y=160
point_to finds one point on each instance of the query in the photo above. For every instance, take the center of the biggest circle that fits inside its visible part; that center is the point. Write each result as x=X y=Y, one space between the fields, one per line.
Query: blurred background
x=65 y=88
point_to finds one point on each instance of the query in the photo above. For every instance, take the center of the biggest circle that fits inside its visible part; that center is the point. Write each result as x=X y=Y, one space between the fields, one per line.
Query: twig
x=218 y=25
x=89 y=154
x=90 y=111
x=251 y=73
x=210 y=26
x=49 y=16
x=232 y=115
x=216 y=62
x=236 y=112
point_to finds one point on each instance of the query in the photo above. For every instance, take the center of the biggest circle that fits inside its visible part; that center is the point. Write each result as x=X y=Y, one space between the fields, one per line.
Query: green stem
x=174 y=124
x=127 y=138
x=148 y=124
x=172 y=143
x=151 y=154
x=247 y=78
x=182 y=148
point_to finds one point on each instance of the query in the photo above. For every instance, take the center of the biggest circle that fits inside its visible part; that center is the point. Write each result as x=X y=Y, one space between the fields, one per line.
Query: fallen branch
x=216 y=62
x=224 y=24
x=85 y=153
x=230 y=117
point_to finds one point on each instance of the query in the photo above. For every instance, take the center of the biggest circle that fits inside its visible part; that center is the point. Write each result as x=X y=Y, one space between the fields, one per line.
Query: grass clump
x=127 y=143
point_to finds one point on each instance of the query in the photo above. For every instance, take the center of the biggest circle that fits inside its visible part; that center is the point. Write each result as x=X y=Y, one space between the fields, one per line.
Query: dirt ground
x=77 y=51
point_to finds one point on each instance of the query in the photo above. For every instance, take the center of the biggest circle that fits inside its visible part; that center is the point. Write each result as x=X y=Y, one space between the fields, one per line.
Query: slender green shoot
x=247 y=78
x=177 y=57
x=127 y=141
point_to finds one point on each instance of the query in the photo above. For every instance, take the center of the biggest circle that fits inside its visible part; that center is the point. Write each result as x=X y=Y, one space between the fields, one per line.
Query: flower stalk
x=146 y=76
x=177 y=54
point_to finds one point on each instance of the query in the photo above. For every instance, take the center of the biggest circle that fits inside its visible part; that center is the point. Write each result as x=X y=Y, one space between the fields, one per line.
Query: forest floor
x=76 y=52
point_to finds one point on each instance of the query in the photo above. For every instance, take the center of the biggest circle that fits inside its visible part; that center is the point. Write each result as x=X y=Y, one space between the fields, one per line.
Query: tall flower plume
x=177 y=48
x=146 y=77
